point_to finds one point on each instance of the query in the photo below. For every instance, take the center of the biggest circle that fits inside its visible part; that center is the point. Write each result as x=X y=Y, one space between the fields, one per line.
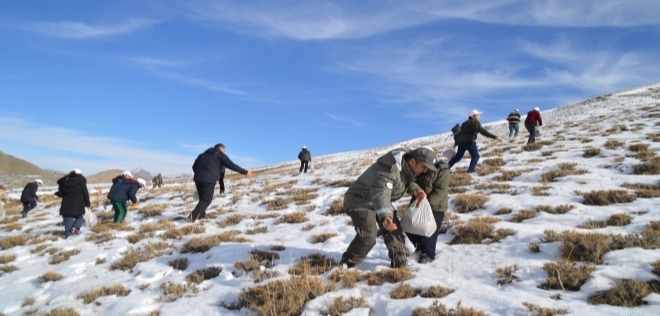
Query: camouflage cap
x=425 y=155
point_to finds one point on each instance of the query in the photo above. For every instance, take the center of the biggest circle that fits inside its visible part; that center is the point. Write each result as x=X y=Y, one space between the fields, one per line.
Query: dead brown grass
x=313 y=264
x=336 y=207
x=231 y=220
x=292 y=218
x=565 y=169
x=404 y=291
x=278 y=203
x=341 y=305
x=507 y=274
x=541 y=190
x=436 y=291
x=347 y=277
x=61 y=311
x=508 y=175
x=7 y=268
x=558 y=209
x=50 y=277
x=584 y=247
x=565 y=275
x=591 y=152
x=532 y=147
x=438 y=309
x=202 y=275
x=204 y=244
x=646 y=191
x=607 y=197
x=523 y=215
x=133 y=256
x=152 y=210
x=465 y=203
x=13 y=241
x=283 y=297
x=179 y=263
x=92 y=295
x=189 y=229
x=319 y=238
x=479 y=230
x=536 y=310
x=459 y=179
x=383 y=276
x=613 y=144
x=627 y=293
x=656 y=267
x=4 y=259
x=62 y=256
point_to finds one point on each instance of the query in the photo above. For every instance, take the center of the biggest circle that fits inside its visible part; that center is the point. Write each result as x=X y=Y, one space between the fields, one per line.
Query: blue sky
x=150 y=84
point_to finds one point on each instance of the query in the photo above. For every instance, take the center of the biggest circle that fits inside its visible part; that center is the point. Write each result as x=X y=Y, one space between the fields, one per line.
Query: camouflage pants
x=366 y=228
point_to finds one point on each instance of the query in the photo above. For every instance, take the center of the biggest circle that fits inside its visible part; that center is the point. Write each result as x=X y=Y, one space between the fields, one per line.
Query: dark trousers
x=470 y=147
x=222 y=182
x=70 y=222
x=513 y=130
x=303 y=166
x=28 y=205
x=205 y=191
x=531 y=128
x=426 y=245
x=367 y=226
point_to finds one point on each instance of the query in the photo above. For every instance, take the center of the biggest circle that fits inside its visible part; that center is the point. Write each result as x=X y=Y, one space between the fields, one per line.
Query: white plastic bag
x=419 y=220
x=90 y=218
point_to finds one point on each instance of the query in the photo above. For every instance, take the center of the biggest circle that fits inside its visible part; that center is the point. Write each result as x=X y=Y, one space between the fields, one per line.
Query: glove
x=136 y=204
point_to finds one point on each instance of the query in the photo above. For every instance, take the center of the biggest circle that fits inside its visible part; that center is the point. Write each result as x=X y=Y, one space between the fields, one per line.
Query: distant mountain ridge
x=16 y=172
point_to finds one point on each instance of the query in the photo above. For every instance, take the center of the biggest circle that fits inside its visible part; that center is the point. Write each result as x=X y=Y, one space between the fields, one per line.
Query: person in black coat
x=305 y=158
x=209 y=168
x=75 y=198
x=29 y=196
x=467 y=140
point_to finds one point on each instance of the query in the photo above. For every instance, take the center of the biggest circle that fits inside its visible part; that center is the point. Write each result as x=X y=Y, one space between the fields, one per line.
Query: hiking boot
x=344 y=262
x=423 y=259
x=190 y=218
x=399 y=262
x=23 y=214
x=75 y=230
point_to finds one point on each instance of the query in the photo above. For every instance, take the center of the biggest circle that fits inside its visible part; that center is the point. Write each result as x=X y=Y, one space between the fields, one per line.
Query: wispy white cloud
x=343 y=120
x=82 y=30
x=159 y=62
x=198 y=82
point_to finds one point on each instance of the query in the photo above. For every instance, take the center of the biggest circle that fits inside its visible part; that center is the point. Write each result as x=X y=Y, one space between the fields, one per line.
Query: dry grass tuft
x=506 y=274
x=608 y=197
x=103 y=227
x=504 y=211
x=652 y=167
x=534 y=247
x=459 y=179
x=649 y=239
x=341 y=305
x=231 y=220
x=133 y=256
x=508 y=175
x=152 y=210
x=92 y=295
x=62 y=256
x=292 y=218
x=536 y=310
x=613 y=144
x=565 y=169
x=647 y=191
x=656 y=267
x=627 y=293
x=7 y=259
x=283 y=297
x=558 y=209
x=541 y=190
x=494 y=162
x=7 y=268
x=565 y=275
x=466 y=203
x=278 y=203
x=50 y=277
x=189 y=229
x=381 y=277
x=532 y=147
x=336 y=207
x=479 y=230
x=313 y=264
x=319 y=238
x=348 y=277
x=584 y=247
x=436 y=291
x=62 y=311
x=591 y=152
x=404 y=291
x=180 y=263
x=204 y=244
x=523 y=215
x=202 y=275
x=13 y=241
x=174 y=291
x=438 y=309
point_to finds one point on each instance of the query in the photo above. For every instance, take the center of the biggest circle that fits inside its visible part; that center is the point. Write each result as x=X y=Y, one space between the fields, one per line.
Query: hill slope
x=15 y=172
x=537 y=227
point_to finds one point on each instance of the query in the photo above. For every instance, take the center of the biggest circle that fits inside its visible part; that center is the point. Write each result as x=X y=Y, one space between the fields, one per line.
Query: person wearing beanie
x=532 y=122
x=368 y=201
x=208 y=169
x=122 y=191
x=72 y=188
x=305 y=158
x=514 y=122
x=467 y=141
x=29 y=196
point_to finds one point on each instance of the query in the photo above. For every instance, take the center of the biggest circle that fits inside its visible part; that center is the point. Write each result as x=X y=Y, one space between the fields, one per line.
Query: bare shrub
x=62 y=256
x=566 y=275
x=438 y=309
x=506 y=274
x=466 y=203
x=202 y=275
x=536 y=310
x=313 y=264
x=584 y=247
x=204 y=244
x=180 y=263
x=336 y=207
x=403 y=291
x=613 y=144
x=7 y=259
x=282 y=297
x=50 y=277
x=292 y=218
x=608 y=197
x=395 y=275
x=341 y=305
x=523 y=215
x=92 y=295
x=627 y=293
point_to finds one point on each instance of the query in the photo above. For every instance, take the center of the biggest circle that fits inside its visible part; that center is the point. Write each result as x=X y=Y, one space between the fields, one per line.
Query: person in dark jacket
x=208 y=168
x=514 y=122
x=157 y=181
x=467 y=141
x=305 y=158
x=29 y=196
x=75 y=198
x=436 y=186
x=122 y=191
x=531 y=122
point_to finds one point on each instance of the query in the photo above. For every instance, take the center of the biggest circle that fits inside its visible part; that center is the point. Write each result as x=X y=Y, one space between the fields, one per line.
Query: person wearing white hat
x=120 y=193
x=533 y=121
x=72 y=188
x=467 y=140
x=29 y=196
x=305 y=158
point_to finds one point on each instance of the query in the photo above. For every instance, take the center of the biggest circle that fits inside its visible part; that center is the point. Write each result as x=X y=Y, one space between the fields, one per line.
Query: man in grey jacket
x=368 y=201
